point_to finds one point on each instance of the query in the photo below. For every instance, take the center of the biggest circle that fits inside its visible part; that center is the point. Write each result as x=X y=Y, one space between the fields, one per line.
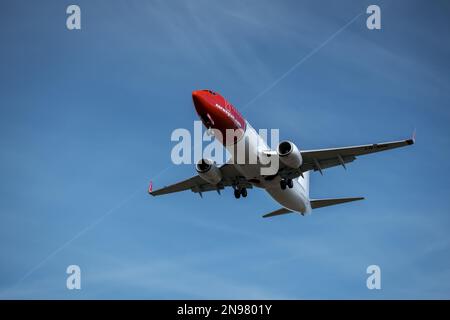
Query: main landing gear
x=240 y=192
x=286 y=183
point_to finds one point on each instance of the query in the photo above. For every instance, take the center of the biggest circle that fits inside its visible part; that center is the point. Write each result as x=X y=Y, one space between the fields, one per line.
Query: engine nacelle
x=208 y=171
x=289 y=154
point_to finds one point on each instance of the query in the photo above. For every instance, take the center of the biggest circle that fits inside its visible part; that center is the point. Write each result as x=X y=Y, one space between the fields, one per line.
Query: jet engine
x=289 y=154
x=208 y=171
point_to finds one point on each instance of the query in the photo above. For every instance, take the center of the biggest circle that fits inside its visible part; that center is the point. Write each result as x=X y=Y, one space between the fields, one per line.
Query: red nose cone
x=196 y=96
x=216 y=113
x=200 y=103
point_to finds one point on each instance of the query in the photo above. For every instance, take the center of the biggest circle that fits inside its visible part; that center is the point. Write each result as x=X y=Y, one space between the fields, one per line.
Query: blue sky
x=86 y=118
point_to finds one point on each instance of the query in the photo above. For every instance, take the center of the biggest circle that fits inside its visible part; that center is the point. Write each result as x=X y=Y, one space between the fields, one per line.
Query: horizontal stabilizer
x=277 y=212
x=319 y=203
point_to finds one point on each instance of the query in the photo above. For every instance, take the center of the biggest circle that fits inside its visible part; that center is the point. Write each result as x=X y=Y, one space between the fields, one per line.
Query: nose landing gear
x=286 y=183
x=290 y=183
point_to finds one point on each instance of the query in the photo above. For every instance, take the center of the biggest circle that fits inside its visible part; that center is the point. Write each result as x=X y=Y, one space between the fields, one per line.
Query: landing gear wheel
x=290 y=184
x=237 y=194
x=244 y=192
x=283 y=184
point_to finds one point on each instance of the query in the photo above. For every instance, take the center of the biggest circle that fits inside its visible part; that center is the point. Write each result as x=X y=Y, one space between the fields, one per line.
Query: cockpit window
x=211 y=92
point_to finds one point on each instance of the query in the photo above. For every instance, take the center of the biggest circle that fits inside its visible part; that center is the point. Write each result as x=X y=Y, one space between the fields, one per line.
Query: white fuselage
x=295 y=198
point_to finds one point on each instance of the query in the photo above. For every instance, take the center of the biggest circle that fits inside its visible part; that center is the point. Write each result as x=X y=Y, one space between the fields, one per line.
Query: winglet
x=412 y=140
x=150 y=187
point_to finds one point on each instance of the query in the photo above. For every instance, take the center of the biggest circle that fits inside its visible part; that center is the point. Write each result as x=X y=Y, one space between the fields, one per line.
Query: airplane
x=289 y=186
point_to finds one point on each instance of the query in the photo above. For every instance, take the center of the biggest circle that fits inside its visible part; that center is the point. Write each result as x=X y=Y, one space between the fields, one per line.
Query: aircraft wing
x=231 y=177
x=326 y=158
x=320 y=159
